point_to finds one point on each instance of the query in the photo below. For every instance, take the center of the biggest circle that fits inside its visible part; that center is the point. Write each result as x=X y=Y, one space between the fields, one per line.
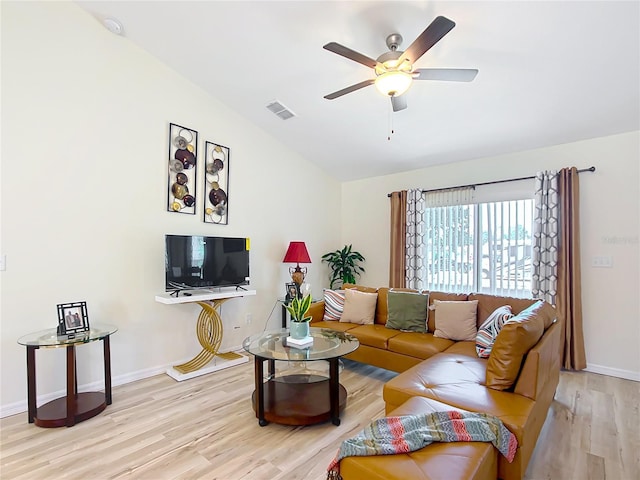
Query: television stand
x=209 y=331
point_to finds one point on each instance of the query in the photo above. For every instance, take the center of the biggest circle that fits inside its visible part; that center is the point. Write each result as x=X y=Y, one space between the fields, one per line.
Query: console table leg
x=71 y=386
x=334 y=384
x=31 y=383
x=209 y=332
x=107 y=369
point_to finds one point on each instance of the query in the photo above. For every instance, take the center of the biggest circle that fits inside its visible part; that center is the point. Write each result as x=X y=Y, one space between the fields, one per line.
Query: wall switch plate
x=602 y=262
x=3 y=263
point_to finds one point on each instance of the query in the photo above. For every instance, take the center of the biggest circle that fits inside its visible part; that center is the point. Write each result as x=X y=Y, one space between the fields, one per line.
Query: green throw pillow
x=407 y=311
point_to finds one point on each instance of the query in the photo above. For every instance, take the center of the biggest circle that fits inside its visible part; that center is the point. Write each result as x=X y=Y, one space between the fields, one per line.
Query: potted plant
x=298 y=308
x=344 y=265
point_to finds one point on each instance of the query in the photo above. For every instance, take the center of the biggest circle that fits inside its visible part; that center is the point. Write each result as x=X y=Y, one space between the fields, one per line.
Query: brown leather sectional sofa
x=436 y=373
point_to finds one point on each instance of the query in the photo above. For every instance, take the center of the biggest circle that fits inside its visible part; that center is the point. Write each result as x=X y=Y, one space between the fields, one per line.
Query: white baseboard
x=613 y=372
x=21 y=406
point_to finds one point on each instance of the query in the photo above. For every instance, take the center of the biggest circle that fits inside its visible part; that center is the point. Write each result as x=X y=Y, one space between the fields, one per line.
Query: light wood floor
x=204 y=428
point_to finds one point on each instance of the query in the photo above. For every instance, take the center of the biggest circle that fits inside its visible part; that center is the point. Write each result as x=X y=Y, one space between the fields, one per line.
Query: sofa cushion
x=419 y=345
x=359 y=307
x=333 y=304
x=488 y=303
x=407 y=311
x=332 y=325
x=489 y=330
x=451 y=461
x=456 y=320
x=360 y=288
x=548 y=313
x=374 y=335
x=466 y=349
x=433 y=296
x=516 y=338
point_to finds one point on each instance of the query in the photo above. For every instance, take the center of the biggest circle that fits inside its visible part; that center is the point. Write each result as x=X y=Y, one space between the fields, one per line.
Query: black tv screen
x=193 y=261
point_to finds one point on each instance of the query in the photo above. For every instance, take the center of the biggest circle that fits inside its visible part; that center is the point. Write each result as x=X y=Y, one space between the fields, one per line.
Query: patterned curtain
x=544 y=276
x=415 y=244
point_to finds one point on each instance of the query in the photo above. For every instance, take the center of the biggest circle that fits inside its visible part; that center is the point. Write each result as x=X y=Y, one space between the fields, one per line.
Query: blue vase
x=299 y=330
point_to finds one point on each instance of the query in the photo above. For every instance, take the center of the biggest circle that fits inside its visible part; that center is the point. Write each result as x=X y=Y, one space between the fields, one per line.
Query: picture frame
x=293 y=291
x=216 y=183
x=182 y=169
x=73 y=318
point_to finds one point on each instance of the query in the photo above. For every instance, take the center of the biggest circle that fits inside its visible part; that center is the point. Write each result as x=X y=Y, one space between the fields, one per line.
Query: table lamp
x=297 y=253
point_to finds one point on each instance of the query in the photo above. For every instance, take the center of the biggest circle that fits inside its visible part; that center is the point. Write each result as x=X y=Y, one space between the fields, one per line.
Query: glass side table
x=74 y=407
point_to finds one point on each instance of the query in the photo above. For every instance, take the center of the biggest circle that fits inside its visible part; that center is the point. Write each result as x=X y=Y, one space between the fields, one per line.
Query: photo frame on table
x=73 y=318
x=181 y=183
x=216 y=183
x=293 y=291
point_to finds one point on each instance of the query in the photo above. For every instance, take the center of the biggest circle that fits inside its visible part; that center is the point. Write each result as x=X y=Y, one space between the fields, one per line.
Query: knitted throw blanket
x=408 y=433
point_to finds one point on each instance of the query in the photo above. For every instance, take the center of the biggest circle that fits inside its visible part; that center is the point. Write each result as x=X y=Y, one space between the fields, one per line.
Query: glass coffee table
x=299 y=397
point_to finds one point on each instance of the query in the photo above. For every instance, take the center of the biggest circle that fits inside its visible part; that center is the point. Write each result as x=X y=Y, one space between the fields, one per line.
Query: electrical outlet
x=248 y=319
x=602 y=262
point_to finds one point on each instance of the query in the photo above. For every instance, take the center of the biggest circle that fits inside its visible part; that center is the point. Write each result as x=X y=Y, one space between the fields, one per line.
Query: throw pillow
x=456 y=320
x=514 y=341
x=333 y=305
x=359 y=307
x=489 y=330
x=407 y=311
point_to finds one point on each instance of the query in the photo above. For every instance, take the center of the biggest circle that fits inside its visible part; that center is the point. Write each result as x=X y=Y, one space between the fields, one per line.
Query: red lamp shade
x=297 y=253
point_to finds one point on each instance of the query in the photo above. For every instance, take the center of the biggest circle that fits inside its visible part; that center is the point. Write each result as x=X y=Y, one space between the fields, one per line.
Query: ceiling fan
x=395 y=69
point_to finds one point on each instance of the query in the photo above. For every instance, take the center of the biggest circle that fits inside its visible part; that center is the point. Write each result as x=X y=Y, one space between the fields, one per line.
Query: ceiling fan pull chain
x=391 y=130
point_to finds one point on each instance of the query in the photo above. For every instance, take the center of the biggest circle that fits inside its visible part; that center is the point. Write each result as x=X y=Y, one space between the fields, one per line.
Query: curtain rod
x=590 y=169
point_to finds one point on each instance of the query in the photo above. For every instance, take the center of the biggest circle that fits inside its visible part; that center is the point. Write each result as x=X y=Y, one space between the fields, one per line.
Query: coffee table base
x=299 y=400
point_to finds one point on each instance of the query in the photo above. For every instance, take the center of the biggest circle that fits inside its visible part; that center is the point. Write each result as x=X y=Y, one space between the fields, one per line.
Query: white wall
x=609 y=216
x=85 y=119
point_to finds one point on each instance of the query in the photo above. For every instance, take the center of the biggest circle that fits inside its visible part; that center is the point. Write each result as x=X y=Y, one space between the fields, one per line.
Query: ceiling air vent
x=280 y=110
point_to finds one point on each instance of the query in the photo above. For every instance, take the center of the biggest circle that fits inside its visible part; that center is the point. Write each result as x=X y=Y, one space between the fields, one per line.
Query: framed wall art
x=72 y=318
x=216 y=183
x=183 y=154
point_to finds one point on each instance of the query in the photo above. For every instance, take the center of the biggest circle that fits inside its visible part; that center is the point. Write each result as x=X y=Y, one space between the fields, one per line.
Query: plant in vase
x=298 y=308
x=344 y=265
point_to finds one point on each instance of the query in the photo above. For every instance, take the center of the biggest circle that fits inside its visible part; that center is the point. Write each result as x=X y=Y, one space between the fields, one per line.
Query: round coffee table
x=299 y=397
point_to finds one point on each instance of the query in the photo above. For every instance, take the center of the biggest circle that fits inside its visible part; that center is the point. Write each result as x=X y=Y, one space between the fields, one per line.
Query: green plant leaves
x=343 y=264
x=298 y=308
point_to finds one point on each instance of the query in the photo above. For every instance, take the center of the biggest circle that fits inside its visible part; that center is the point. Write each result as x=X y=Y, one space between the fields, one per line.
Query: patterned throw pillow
x=489 y=330
x=333 y=305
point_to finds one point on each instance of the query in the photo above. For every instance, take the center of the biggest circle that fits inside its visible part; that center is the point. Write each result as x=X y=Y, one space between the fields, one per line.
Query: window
x=484 y=247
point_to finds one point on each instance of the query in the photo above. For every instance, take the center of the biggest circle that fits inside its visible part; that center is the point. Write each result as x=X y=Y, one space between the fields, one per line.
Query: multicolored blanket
x=407 y=433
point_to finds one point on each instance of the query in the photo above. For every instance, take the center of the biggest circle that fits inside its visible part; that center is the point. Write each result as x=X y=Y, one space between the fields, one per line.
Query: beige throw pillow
x=456 y=320
x=359 y=307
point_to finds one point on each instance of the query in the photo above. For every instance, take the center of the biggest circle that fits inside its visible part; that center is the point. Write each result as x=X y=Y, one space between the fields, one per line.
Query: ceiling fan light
x=393 y=83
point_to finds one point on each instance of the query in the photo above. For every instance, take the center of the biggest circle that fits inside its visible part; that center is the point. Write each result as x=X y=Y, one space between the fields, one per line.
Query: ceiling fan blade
x=399 y=103
x=427 y=39
x=447 y=74
x=350 y=89
x=351 y=54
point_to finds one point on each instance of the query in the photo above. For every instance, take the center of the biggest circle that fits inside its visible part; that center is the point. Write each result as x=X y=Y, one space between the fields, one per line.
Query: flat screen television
x=193 y=261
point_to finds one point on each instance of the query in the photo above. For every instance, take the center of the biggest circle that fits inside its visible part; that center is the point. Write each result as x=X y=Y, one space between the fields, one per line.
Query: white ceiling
x=550 y=73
